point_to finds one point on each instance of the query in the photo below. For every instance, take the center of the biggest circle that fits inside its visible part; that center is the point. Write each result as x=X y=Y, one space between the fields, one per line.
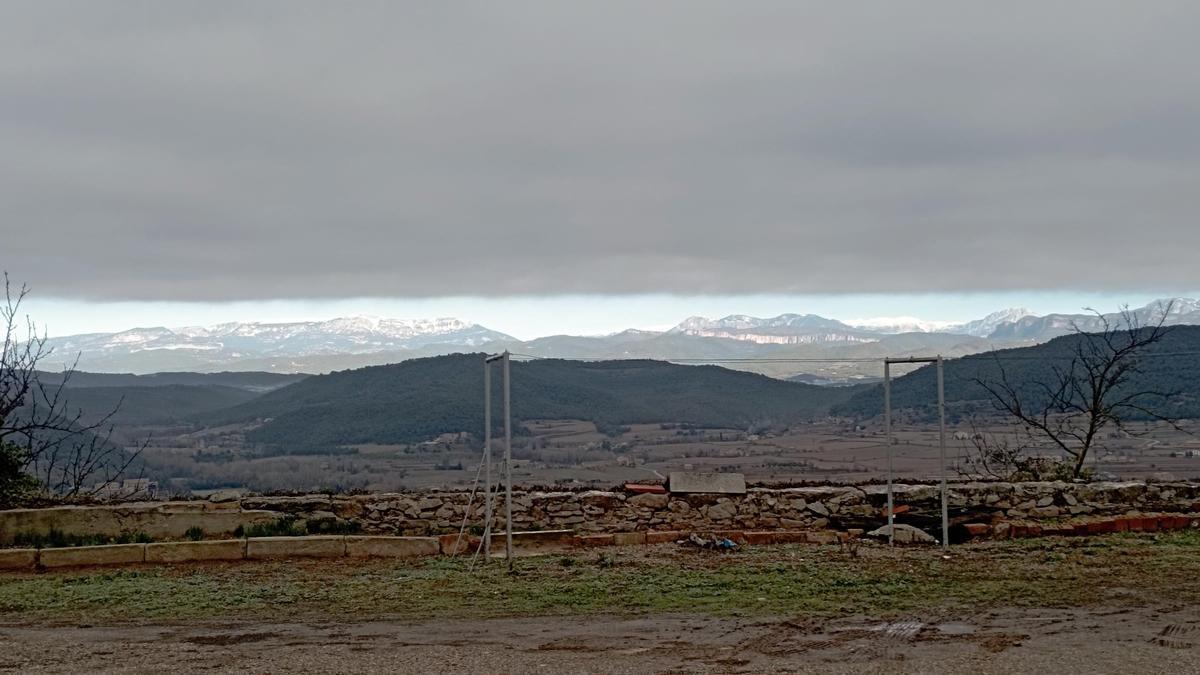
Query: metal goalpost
x=887 y=425
x=489 y=503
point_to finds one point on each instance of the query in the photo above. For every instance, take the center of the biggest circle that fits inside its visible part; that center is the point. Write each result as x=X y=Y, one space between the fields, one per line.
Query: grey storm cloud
x=214 y=150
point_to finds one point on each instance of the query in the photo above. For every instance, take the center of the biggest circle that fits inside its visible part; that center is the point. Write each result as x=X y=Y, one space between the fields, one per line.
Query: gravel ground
x=1094 y=640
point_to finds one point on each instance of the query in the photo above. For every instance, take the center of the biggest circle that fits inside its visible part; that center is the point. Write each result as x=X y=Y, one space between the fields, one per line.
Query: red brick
x=1018 y=531
x=978 y=529
x=896 y=509
x=1133 y=524
x=664 y=537
x=1149 y=524
x=642 y=489
x=1034 y=531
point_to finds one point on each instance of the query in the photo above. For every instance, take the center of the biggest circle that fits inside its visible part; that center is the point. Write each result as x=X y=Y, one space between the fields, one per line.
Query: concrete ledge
x=18 y=558
x=75 y=556
x=664 y=536
x=295 y=547
x=629 y=538
x=538 y=539
x=392 y=547
x=593 y=540
x=188 y=551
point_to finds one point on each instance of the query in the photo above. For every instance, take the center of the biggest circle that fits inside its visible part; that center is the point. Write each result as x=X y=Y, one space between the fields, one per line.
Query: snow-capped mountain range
x=320 y=346
x=233 y=342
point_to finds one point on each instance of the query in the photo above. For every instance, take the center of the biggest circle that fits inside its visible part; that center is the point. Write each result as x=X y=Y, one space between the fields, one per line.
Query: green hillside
x=1170 y=365
x=419 y=399
x=163 y=404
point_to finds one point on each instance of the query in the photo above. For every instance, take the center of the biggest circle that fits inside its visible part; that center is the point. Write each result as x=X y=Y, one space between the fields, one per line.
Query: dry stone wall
x=595 y=511
x=818 y=507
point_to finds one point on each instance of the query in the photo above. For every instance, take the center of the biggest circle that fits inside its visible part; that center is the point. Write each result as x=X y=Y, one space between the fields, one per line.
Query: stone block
x=187 y=551
x=629 y=538
x=80 y=556
x=664 y=537
x=904 y=534
x=689 y=482
x=18 y=558
x=721 y=511
x=392 y=547
x=649 y=500
x=295 y=547
x=791 y=537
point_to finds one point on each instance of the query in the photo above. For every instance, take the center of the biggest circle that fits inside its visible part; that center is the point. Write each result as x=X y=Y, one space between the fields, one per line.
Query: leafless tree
x=1095 y=385
x=41 y=436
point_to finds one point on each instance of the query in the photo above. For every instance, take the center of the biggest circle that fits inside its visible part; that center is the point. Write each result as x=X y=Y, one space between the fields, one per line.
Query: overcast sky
x=308 y=153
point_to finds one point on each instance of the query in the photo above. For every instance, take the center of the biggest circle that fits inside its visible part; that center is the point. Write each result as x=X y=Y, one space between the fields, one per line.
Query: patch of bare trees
x=45 y=445
x=1099 y=383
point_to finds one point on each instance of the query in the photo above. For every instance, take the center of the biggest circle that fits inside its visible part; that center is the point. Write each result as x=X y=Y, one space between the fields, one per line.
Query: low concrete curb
x=87 y=556
x=332 y=546
x=196 y=551
x=392 y=547
x=18 y=558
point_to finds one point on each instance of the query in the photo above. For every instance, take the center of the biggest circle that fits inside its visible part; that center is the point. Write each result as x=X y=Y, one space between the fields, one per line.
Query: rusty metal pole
x=487 y=458
x=887 y=433
x=942 y=443
x=508 y=524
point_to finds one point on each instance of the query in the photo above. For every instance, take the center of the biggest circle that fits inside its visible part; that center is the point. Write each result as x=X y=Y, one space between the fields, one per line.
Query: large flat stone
x=689 y=482
x=392 y=547
x=187 y=551
x=79 y=556
x=18 y=558
x=295 y=547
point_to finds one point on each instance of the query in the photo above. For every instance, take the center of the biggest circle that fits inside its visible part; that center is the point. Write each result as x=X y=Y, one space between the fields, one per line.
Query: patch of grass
x=194 y=533
x=760 y=581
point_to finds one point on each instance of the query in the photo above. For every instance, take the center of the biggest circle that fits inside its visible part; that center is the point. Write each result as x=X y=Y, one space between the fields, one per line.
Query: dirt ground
x=1094 y=640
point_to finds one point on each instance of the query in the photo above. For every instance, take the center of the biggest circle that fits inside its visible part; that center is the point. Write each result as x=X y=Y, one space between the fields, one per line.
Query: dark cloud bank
x=217 y=151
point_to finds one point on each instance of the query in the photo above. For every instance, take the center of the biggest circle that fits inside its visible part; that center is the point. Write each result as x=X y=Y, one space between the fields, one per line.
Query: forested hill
x=419 y=399
x=1170 y=365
